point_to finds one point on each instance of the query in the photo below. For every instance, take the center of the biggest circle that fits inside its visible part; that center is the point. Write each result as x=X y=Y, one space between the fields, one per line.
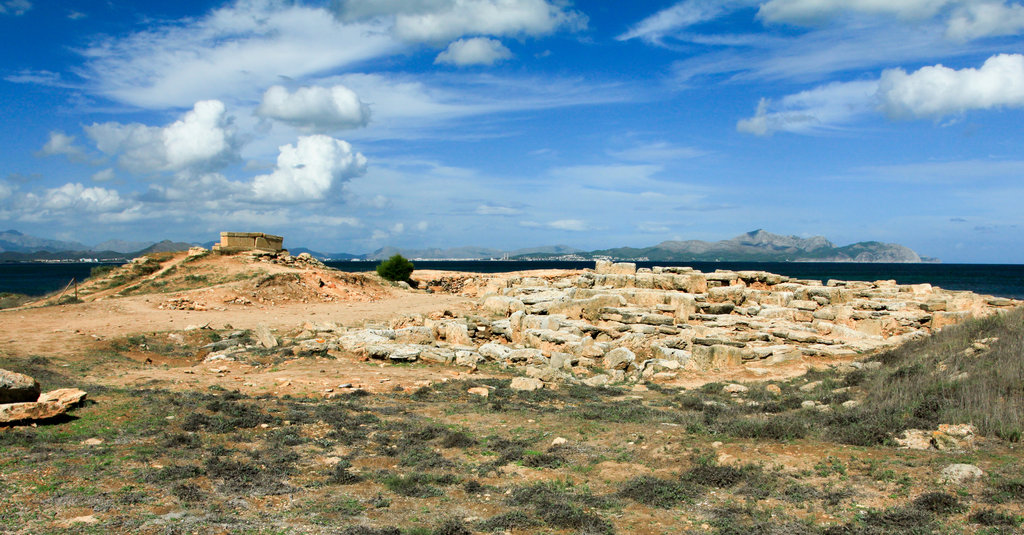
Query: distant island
x=754 y=246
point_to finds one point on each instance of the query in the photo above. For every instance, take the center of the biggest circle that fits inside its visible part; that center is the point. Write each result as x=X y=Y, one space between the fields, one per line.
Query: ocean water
x=1003 y=280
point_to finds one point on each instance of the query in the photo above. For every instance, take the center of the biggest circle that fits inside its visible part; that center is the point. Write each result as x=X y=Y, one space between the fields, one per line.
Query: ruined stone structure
x=234 y=242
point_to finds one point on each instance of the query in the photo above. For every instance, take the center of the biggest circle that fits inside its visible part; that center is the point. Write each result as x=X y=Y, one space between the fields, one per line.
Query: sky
x=348 y=125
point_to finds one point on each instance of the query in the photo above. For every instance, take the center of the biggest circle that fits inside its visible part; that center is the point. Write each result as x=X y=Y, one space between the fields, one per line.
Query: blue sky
x=346 y=126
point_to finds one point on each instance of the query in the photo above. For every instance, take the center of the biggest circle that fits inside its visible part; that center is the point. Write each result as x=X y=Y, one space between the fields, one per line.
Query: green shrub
x=396 y=268
x=101 y=270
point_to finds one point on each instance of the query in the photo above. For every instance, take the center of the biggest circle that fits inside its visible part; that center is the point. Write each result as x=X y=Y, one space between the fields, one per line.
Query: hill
x=762 y=246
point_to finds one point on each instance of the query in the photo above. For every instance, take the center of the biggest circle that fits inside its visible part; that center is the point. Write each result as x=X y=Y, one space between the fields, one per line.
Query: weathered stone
x=501 y=305
x=959 y=474
x=619 y=359
x=597 y=380
x=735 y=389
x=526 y=384
x=49 y=405
x=17 y=388
x=265 y=337
x=716 y=356
x=481 y=391
x=494 y=351
x=399 y=352
x=414 y=335
x=455 y=333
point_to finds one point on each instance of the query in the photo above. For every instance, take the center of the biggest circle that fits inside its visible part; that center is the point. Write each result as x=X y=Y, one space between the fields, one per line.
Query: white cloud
x=659 y=151
x=105 y=175
x=232 y=52
x=61 y=143
x=203 y=139
x=309 y=170
x=15 y=7
x=682 y=15
x=935 y=91
x=74 y=197
x=495 y=209
x=815 y=11
x=574 y=225
x=437 y=21
x=422 y=226
x=822 y=108
x=6 y=190
x=315 y=108
x=964 y=19
x=475 y=51
x=986 y=19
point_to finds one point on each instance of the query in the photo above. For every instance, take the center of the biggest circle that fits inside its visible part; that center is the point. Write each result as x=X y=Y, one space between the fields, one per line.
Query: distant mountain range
x=755 y=246
x=762 y=246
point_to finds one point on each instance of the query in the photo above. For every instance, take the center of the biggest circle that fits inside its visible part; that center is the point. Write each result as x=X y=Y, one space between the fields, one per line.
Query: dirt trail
x=67 y=330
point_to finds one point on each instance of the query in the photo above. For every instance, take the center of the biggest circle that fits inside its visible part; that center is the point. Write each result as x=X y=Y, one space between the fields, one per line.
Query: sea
x=1001 y=280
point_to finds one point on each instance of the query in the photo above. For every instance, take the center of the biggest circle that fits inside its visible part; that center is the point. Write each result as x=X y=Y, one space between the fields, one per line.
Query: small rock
x=597 y=380
x=558 y=441
x=773 y=389
x=92 y=442
x=734 y=389
x=809 y=387
x=960 y=473
x=808 y=404
x=481 y=391
x=526 y=384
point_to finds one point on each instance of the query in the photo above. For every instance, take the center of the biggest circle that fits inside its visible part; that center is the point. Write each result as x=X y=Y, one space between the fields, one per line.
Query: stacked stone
x=650 y=324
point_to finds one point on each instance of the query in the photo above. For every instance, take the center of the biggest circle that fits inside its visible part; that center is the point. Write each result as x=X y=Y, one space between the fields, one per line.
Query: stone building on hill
x=234 y=242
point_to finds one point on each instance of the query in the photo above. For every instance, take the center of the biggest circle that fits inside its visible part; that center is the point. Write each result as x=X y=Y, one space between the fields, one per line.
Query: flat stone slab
x=49 y=405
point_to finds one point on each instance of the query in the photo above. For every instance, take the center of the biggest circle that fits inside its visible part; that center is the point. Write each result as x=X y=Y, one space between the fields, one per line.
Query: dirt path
x=69 y=330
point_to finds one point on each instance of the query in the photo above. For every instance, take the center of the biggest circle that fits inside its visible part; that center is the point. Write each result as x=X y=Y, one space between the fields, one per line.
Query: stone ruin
x=236 y=242
x=619 y=324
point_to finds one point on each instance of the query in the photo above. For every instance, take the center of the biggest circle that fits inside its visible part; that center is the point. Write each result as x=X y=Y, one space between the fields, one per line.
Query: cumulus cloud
x=15 y=7
x=937 y=90
x=821 y=108
x=61 y=143
x=6 y=190
x=74 y=197
x=309 y=170
x=986 y=19
x=475 y=51
x=438 y=21
x=203 y=139
x=315 y=108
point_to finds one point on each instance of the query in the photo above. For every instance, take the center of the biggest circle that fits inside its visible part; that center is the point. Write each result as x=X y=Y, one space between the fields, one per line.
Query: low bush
x=396 y=268
x=657 y=492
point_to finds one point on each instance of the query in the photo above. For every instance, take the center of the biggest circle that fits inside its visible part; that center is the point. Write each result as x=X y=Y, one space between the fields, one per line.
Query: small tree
x=396 y=268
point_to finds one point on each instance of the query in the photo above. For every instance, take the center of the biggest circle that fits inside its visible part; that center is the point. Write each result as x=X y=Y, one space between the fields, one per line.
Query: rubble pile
x=617 y=323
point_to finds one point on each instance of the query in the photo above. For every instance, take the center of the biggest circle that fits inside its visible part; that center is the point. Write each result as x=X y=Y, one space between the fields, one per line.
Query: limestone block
x=526 y=384
x=494 y=351
x=414 y=335
x=716 y=356
x=265 y=337
x=49 y=405
x=455 y=333
x=618 y=359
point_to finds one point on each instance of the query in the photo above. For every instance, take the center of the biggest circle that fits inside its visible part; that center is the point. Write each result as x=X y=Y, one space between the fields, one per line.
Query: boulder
x=619 y=359
x=49 y=405
x=17 y=388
